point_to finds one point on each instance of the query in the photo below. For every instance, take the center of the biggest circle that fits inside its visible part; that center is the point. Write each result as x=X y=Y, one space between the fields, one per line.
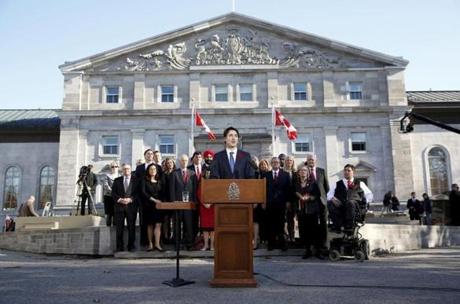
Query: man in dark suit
x=149 y=156
x=320 y=177
x=415 y=207
x=278 y=186
x=184 y=180
x=123 y=194
x=198 y=168
x=231 y=162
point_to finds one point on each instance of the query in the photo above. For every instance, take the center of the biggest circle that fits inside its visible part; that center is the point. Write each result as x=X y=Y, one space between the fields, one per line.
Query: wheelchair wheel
x=334 y=255
x=360 y=256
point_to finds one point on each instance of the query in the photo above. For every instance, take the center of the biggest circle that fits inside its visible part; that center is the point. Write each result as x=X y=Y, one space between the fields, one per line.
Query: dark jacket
x=323 y=184
x=118 y=189
x=278 y=191
x=220 y=166
x=177 y=186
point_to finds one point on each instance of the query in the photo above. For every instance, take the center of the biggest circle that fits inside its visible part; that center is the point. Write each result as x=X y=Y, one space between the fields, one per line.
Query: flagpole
x=273 y=130
x=193 y=127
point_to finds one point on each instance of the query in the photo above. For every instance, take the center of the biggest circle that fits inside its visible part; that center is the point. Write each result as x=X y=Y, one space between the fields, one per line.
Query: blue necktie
x=232 y=161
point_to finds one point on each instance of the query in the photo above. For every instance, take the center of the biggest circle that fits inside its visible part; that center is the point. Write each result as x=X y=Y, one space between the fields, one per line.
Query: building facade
x=345 y=102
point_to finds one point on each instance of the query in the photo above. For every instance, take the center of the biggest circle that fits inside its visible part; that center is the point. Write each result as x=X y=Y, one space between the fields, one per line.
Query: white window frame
x=294 y=92
x=302 y=139
x=173 y=94
x=350 y=85
x=173 y=144
x=106 y=94
x=103 y=144
x=365 y=142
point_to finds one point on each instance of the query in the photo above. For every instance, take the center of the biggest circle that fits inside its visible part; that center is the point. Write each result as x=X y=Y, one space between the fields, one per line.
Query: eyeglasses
x=114 y=166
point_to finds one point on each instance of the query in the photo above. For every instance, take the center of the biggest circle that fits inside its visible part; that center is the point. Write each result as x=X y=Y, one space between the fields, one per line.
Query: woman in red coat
x=206 y=210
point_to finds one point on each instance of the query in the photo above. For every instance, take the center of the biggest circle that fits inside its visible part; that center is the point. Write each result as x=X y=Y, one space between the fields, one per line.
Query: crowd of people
x=295 y=194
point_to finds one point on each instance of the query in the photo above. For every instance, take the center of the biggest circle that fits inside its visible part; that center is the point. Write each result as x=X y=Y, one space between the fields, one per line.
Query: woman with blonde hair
x=109 y=204
x=258 y=215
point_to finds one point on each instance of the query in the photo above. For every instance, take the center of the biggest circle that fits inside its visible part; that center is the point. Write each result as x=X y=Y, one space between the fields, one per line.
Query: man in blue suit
x=231 y=162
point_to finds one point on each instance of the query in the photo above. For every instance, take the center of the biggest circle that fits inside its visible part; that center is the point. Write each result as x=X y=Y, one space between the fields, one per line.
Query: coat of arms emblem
x=233 y=192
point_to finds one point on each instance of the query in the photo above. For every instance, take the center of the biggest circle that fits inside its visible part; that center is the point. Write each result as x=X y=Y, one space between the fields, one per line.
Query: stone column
x=137 y=147
x=69 y=163
x=388 y=182
x=328 y=90
x=332 y=153
x=272 y=89
x=195 y=90
x=396 y=88
x=402 y=160
x=139 y=92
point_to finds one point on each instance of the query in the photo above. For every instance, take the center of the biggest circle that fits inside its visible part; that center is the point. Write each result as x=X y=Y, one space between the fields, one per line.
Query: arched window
x=439 y=179
x=47 y=179
x=12 y=182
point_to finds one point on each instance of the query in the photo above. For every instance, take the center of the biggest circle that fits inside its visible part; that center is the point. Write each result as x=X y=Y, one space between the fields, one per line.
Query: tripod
x=83 y=190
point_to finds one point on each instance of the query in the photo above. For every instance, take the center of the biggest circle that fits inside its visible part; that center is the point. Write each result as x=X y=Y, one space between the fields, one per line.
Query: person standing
x=278 y=186
x=152 y=193
x=123 y=193
x=183 y=182
x=289 y=168
x=454 y=205
x=414 y=206
x=258 y=215
x=309 y=202
x=89 y=182
x=197 y=167
x=27 y=208
x=149 y=156
x=206 y=210
x=318 y=176
x=109 y=204
x=427 y=208
x=168 y=168
x=232 y=163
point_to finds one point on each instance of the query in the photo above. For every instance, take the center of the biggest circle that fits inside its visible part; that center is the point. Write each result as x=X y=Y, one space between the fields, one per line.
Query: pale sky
x=37 y=36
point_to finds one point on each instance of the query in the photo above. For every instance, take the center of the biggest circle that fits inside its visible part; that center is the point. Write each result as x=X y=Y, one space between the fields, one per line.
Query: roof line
x=201 y=25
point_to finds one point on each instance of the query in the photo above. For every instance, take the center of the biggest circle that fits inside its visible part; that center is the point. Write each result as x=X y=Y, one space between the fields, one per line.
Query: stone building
x=345 y=102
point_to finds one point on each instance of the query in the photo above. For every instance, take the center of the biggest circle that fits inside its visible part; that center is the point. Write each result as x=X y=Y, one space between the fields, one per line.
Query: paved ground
x=423 y=276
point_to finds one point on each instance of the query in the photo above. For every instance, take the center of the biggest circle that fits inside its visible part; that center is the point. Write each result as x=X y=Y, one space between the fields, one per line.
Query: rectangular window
x=355 y=91
x=246 y=92
x=112 y=94
x=358 y=141
x=300 y=91
x=110 y=145
x=221 y=92
x=167 y=93
x=303 y=144
x=167 y=145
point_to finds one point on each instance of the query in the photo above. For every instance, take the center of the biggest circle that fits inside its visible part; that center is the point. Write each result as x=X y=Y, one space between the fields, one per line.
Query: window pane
x=356 y=90
x=358 y=141
x=47 y=178
x=221 y=93
x=303 y=144
x=112 y=94
x=167 y=145
x=167 y=93
x=110 y=145
x=300 y=91
x=12 y=181
x=246 y=92
x=437 y=162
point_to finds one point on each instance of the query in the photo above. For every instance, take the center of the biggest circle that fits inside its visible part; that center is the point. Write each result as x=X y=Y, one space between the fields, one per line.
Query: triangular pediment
x=233 y=40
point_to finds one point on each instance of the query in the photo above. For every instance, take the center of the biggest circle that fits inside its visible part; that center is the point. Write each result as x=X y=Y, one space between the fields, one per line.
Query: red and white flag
x=280 y=120
x=200 y=123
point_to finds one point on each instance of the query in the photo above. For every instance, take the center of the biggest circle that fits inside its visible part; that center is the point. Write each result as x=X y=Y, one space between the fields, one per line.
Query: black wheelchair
x=352 y=244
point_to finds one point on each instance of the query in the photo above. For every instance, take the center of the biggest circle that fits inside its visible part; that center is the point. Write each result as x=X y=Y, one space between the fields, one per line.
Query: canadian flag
x=280 y=120
x=200 y=123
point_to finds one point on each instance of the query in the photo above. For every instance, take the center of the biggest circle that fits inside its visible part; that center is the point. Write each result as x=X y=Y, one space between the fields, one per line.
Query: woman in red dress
x=206 y=210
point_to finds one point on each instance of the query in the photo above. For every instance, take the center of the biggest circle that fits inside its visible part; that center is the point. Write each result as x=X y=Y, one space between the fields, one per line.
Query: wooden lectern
x=234 y=200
